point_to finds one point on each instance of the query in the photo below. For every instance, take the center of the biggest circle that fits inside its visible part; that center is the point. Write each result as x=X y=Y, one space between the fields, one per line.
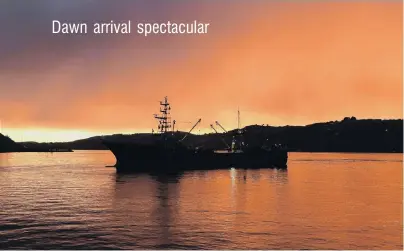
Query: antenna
x=238 y=118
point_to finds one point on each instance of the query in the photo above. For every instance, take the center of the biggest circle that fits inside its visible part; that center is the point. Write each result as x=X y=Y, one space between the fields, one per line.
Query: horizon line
x=144 y=131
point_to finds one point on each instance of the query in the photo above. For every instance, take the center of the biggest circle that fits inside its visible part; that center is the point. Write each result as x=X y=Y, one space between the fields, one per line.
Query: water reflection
x=4 y=160
x=167 y=196
x=278 y=176
x=73 y=201
x=149 y=200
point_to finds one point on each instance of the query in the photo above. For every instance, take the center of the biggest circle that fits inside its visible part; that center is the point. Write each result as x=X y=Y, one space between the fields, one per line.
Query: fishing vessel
x=166 y=152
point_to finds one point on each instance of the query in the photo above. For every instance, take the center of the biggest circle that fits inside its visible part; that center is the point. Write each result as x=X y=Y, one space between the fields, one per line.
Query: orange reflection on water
x=323 y=201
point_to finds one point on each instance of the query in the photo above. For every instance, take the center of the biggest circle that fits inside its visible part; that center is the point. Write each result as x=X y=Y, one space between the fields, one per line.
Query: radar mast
x=164 y=118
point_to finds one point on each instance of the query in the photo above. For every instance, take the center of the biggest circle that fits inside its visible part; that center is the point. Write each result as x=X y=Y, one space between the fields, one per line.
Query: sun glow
x=281 y=63
x=47 y=135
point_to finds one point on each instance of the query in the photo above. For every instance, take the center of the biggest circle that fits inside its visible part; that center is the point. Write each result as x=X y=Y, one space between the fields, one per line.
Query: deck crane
x=224 y=141
x=217 y=123
x=186 y=135
x=214 y=129
x=237 y=143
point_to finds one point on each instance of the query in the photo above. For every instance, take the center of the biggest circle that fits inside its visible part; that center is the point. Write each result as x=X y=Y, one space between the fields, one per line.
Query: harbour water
x=323 y=201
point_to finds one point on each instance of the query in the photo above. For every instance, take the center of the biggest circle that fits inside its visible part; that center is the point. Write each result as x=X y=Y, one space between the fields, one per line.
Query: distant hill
x=348 y=135
x=8 y=145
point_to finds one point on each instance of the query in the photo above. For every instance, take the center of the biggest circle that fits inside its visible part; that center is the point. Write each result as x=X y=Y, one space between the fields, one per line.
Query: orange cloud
x=301 y=63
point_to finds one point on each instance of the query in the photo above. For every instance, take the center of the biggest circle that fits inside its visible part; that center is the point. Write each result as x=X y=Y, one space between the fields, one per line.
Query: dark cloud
x=30 y=54
x=26 y=28
x=27 y=42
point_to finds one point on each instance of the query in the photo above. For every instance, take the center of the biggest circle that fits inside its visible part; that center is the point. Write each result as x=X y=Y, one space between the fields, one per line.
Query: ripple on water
x=323 y=201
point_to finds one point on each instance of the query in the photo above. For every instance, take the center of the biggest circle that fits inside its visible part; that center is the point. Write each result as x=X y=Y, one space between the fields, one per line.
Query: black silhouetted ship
x=166 y=152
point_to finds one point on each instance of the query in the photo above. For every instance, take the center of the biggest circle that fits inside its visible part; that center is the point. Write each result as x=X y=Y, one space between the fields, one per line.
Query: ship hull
x=131 y=157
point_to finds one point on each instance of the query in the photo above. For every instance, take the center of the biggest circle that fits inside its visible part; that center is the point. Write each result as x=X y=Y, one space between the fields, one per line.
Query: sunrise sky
x=280 y=62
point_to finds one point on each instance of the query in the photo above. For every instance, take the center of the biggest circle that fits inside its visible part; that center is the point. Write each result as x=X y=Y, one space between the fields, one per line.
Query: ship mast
x=238 y=121
x=164 y=117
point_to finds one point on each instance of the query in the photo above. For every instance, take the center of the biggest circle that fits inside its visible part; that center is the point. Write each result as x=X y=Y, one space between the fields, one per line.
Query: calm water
x=324 y=201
